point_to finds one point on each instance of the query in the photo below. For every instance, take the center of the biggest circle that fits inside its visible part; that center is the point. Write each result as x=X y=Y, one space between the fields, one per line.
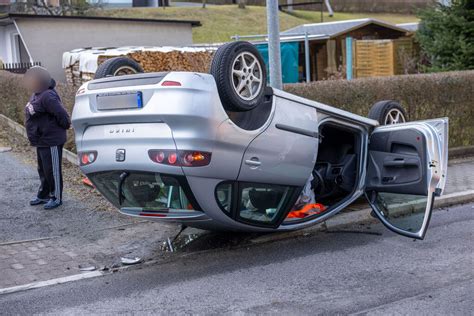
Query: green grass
x=219 y=23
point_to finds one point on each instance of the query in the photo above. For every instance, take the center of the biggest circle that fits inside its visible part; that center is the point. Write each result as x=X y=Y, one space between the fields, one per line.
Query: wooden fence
x=373 y=58
x=18 y=68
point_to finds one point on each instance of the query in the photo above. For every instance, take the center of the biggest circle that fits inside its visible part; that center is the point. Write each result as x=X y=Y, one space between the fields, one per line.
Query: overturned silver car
x=223 y=151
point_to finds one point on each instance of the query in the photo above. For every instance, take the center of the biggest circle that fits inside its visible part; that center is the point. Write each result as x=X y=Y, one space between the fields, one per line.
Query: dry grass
x=221 y=22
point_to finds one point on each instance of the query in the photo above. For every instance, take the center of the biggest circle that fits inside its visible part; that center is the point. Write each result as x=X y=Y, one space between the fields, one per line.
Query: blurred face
x=31 y=83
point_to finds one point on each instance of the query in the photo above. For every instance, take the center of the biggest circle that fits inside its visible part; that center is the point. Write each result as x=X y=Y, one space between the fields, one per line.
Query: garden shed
x=322 y=49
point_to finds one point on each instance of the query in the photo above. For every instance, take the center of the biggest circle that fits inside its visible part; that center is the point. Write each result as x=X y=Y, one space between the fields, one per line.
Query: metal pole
x=322 y=18
x=306 y=57
x=328 y=6
x=274 y=44
x=349 y=58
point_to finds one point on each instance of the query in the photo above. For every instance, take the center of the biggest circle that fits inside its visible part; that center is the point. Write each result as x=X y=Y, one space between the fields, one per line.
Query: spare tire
x=388 y=112
x=117 y=66
x=241 y=76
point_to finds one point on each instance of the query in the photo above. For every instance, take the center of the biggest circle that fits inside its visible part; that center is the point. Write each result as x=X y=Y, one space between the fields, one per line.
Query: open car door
x=407 y=166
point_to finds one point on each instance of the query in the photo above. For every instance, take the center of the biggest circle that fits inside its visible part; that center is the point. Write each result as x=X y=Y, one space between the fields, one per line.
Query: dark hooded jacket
x=46 y=118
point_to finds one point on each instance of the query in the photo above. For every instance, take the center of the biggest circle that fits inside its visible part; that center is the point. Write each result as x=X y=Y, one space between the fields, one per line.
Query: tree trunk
x=241 y=4
x=204 y=4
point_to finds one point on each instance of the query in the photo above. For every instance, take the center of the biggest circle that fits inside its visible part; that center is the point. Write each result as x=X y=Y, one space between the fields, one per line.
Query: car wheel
x=388 y=112
x=240 y=75
x=117 y=66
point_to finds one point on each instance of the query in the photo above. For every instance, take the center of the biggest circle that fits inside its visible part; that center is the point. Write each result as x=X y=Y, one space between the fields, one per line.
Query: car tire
x=388 y=112
x=117 y=66
x=241 y=76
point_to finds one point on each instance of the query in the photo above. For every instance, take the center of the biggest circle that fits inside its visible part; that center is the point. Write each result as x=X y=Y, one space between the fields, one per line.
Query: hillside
x=219 y=23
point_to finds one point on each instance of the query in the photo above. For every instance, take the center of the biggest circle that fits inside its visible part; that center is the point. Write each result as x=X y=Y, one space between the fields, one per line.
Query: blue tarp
x=289 y=60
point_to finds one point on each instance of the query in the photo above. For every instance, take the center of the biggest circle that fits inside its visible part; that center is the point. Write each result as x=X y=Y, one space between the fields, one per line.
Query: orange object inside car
x=307 y=210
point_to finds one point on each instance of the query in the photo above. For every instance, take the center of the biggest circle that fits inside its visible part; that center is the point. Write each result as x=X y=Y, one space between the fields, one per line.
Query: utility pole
x=274 y=59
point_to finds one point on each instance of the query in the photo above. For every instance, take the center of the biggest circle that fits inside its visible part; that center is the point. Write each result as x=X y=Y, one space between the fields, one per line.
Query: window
x=404 y=211
x=255 y=203
x=151 y=191
x=261 y=202
x=224 y=196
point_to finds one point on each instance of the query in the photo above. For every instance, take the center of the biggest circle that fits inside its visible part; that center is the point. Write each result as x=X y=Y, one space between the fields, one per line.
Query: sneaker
x=38 y=201
x=52 y=204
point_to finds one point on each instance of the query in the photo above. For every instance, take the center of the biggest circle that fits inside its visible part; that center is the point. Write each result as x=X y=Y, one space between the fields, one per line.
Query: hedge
x=13 y=99
x=424 y=96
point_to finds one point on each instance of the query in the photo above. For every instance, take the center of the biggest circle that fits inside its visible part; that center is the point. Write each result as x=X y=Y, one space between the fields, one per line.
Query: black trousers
x=50 y=172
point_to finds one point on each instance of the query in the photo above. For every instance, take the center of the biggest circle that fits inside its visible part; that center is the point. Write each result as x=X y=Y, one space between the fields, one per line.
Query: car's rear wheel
x=240 y=75
x=117 y=66
x=388 y=112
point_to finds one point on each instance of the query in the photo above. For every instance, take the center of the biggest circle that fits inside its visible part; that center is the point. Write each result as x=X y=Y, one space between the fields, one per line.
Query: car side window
x=261 y=202
x=224 y=196
x=255 y=203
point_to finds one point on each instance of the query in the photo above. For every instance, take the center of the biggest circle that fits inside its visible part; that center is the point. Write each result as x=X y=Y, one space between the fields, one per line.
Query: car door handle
x=253 y=162
x=400 y=163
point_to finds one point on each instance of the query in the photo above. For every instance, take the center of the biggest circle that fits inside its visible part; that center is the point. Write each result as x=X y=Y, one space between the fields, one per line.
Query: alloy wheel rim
x=246 y=76
x=125 y=70
x=394 y=116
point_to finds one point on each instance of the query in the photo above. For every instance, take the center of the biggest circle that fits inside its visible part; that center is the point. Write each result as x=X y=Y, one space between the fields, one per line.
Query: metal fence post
x=349 y=58
x=306 y=57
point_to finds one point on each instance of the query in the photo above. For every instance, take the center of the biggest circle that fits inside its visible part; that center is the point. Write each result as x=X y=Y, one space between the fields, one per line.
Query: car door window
x=262 y=202
x=256 y=203
x=405 y=212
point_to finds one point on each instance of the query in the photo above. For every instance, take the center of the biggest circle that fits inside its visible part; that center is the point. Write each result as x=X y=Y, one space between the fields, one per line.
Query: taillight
x=87 y=157
x=184 y=158
x=169 y=83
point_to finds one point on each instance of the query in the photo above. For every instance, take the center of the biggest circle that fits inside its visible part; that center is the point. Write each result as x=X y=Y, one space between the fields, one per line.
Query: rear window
x=147 y=190
x=127 y=81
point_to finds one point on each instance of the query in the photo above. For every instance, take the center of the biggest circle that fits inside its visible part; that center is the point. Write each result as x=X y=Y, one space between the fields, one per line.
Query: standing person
x=46 y=125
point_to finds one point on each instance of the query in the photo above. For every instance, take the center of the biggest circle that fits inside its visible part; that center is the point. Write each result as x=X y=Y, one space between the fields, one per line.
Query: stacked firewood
x=76 y=78
x=155 y=61
x=152 y=60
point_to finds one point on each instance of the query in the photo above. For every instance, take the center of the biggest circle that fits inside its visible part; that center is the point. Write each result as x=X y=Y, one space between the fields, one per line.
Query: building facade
x=44 y=39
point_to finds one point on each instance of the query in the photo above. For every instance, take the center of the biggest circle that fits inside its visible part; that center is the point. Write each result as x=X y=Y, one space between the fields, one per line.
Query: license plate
x=120 y=100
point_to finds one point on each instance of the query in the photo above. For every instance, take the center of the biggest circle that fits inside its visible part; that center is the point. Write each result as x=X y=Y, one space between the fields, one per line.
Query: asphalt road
x=355 y=270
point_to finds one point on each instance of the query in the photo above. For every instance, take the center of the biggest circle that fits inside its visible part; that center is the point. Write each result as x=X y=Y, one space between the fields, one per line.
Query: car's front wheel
x=388 y=112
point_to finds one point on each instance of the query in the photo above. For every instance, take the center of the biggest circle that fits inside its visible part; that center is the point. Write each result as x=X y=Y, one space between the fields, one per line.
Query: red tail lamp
x=87 y=157
x=169 y=83
x=182 y=158
x=172 y=158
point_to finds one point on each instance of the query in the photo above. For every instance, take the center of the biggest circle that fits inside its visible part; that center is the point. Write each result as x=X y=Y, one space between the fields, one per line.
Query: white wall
x=47 y=39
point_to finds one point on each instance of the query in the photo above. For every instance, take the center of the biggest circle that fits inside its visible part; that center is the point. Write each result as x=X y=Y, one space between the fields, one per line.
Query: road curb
x=459 y=152
x=20 y=129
